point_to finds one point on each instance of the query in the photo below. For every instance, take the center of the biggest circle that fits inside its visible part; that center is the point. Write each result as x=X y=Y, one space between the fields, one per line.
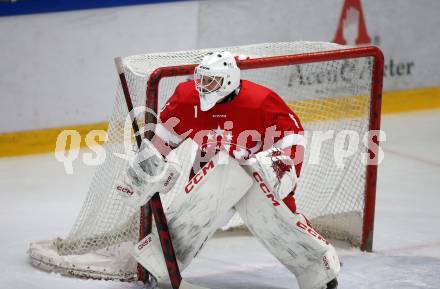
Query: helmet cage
x=206 y=82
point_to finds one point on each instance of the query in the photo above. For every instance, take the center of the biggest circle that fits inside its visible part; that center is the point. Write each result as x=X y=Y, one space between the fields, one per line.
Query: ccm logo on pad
x=167 y=182
x=309 y=229
x=124 y=190
x=199 y=176
x=265 y=189
x=144 y=243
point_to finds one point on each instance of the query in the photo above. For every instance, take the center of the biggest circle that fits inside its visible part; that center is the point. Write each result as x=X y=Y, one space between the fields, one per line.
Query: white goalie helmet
x=216 y=77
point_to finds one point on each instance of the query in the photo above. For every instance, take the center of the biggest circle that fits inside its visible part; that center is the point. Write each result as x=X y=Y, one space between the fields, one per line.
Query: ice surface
x=39 y=201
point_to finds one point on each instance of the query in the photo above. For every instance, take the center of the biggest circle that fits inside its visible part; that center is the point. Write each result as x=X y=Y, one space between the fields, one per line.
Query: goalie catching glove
x=278 y=170
x=149 y=172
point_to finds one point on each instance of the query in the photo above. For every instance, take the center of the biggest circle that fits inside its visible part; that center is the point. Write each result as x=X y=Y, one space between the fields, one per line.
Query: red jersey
x=254 y=120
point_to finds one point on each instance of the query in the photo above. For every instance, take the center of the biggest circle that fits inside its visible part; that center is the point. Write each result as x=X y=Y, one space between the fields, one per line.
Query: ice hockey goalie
x=250 y=148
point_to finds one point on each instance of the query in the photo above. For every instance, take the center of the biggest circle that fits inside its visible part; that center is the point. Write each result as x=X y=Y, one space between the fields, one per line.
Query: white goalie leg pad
x=287 y=236
x=197 y=211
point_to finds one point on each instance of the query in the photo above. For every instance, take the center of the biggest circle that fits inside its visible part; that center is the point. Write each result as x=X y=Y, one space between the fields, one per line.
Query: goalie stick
x=155 y=205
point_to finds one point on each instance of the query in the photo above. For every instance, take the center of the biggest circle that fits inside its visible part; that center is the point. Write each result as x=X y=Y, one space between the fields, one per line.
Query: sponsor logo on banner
x=352 y=25
x=352 y=30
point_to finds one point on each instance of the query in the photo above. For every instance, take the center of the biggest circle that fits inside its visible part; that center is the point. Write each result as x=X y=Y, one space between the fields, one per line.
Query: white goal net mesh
x=332 y=99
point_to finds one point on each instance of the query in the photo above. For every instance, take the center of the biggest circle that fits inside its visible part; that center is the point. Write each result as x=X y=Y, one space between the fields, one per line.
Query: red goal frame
x=152 y=95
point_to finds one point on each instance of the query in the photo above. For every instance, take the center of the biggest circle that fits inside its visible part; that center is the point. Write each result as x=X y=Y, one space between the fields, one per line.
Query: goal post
x=366 y=242
x=336 y=92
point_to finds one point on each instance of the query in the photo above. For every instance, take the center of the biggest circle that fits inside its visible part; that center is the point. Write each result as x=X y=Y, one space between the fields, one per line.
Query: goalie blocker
x=209 y=200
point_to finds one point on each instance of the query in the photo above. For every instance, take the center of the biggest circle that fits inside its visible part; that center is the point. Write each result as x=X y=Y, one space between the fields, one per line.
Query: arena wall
x=57 y=70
